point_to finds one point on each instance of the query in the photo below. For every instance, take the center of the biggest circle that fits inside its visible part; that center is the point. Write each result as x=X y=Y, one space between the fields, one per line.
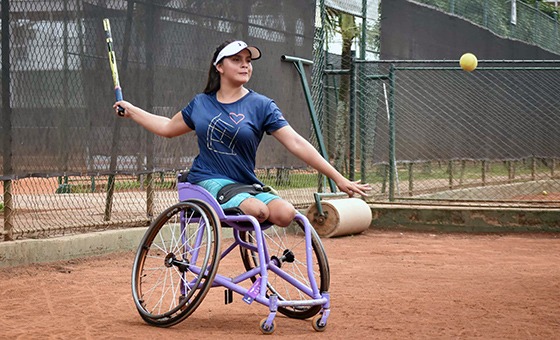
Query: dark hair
x=213 y=83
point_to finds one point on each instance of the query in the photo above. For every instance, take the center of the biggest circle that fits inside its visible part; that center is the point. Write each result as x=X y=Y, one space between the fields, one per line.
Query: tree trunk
x=348 y=31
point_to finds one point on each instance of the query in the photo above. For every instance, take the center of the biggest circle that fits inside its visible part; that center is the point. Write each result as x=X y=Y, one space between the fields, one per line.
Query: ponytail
x=213 y=83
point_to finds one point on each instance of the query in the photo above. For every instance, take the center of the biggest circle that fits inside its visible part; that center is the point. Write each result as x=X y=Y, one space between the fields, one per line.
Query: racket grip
x=119 y=97
x=118 y=94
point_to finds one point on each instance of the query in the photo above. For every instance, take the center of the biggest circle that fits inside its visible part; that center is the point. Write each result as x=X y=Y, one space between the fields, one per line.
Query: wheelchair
x=177 y=263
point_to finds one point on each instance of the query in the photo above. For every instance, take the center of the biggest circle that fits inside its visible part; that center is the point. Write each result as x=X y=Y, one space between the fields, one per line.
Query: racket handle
x=119 y=97
x=118 y=94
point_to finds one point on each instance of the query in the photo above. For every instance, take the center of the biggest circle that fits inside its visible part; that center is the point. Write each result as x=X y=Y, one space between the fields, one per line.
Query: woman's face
x=236 y=69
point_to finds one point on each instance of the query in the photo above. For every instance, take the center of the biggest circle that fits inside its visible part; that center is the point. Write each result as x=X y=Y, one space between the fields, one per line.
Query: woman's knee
x=256 y=208
x=282 y=212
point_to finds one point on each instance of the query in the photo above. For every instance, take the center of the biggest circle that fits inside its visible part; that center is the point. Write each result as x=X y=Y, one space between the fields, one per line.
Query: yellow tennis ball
x=544 y=192
x=468 y=62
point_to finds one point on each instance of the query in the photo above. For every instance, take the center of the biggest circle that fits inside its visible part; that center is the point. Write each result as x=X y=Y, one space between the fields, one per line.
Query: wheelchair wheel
x=287 y=247
x=176 y=263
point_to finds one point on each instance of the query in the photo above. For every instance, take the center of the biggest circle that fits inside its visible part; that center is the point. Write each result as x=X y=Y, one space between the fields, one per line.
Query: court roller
x=340 y=217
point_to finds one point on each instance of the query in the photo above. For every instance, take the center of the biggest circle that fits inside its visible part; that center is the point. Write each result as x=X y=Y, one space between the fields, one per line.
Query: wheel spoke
x=183 y=238
x=285 y=243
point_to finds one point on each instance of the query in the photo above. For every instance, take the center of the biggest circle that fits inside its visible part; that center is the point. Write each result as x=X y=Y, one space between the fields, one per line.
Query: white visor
x=236 y=47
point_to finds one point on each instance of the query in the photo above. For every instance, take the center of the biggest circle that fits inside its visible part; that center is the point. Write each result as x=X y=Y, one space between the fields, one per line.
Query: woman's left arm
x=303 y=150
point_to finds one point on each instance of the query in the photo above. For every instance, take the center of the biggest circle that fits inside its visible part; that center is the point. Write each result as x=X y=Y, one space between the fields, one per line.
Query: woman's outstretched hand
x=354 y=188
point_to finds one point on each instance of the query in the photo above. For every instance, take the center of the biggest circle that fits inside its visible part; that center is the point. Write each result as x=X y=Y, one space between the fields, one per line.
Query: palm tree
x=345 y=25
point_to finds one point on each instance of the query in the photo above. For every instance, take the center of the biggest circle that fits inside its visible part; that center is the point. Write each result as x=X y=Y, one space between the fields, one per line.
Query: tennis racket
x=113 y=64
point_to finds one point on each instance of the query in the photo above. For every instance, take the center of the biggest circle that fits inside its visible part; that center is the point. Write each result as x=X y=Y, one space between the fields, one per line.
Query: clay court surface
x=384 y=285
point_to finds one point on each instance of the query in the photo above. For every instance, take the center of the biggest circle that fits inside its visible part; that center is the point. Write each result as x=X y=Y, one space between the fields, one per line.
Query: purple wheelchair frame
x=257 y=292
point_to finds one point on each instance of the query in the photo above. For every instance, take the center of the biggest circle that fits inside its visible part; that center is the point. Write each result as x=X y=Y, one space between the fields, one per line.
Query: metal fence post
x=392 y=135
x=8 y=211
x=152 y=44
x=7 y=121
x=536 y=23
x=360 y=86
x=352 y=118
x=117 y=127
x=485 y=14
x=556 y=28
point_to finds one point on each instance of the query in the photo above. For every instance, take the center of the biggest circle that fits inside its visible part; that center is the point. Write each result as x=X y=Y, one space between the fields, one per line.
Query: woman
x=230 y=121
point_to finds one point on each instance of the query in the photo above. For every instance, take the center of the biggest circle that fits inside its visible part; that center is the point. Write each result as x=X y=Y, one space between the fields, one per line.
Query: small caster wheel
x=316 y=322
x=267 y=330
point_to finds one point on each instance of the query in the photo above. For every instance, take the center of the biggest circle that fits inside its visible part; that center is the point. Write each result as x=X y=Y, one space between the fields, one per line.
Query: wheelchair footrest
x=253 y=292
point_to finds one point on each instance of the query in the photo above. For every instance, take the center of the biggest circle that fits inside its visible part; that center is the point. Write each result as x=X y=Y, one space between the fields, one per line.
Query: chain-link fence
x=54 y=206
x=427 y=130
x=68 y=163
x=423 y=130
x=510 y=19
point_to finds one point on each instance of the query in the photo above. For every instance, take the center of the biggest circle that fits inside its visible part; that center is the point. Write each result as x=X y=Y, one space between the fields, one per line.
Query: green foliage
x=532 y=26
x=338 y=22
x=456 y=5
x=443 y=4
x=1 y=206
x=373 y=37
x=545 y=7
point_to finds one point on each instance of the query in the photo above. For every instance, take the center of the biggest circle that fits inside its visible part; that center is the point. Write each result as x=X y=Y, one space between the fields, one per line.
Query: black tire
x=288 y=246
x=164 y=265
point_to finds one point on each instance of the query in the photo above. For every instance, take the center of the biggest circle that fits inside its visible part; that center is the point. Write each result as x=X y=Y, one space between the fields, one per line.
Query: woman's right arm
x=160 y=125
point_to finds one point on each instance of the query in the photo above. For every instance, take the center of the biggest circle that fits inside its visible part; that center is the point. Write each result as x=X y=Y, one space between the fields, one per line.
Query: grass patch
x=90 y=184
x=290 y=178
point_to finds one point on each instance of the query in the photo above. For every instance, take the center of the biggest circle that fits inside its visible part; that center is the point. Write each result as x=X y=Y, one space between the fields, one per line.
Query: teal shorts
x=213 y=186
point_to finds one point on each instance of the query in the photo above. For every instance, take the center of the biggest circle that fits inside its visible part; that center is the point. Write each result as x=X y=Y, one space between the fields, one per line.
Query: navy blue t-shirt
x=229 y=134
